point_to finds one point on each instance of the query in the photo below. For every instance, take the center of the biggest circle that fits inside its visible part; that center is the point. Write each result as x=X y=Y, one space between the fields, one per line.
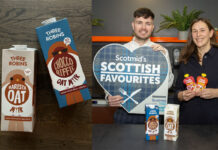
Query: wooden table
x=132 y=137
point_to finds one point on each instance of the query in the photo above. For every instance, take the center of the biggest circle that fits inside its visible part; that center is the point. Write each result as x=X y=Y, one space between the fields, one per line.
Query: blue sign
x=137 y=76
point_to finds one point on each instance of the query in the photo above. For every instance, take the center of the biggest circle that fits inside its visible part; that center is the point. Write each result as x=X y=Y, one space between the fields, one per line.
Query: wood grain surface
x=55 y=129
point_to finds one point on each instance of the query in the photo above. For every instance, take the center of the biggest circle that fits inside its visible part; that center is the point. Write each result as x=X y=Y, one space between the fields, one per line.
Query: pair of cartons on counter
x=18 y=75
x=171 y=122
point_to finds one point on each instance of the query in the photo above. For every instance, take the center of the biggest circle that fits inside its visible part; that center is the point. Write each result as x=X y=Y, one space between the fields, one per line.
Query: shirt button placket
x=203 y=63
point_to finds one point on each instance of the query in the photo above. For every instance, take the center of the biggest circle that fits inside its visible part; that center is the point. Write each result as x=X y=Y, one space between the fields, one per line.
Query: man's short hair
x=143 y=12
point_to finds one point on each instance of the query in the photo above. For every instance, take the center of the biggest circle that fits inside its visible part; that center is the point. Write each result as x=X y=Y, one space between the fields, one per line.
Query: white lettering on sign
x=130 y=59
x=130 y=67
x=130 y=73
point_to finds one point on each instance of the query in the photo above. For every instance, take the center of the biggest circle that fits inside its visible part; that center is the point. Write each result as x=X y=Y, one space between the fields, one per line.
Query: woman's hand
x=186 y=95
x=115 y=101
x=208 y=93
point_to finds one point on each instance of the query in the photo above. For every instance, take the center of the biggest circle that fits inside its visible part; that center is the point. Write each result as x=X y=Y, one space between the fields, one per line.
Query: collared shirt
x=132 y=45
x=198 y=110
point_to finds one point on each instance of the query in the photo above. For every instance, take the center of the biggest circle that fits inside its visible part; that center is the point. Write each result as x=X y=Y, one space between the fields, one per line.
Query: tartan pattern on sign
x=146 y=81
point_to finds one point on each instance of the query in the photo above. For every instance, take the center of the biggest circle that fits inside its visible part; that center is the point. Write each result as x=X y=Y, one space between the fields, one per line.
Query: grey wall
x=117 y=14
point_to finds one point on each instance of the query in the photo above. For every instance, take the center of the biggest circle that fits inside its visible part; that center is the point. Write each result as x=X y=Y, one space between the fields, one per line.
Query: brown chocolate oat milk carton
x=18 y=89
x=171 y=122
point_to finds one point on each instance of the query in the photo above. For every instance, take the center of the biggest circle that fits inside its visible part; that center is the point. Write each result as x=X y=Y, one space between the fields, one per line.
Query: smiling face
x=143 y=28
x=201 y=34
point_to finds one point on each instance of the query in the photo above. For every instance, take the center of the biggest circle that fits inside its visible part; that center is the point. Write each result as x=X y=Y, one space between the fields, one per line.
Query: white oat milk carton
x=171 y=122
x=18 y=89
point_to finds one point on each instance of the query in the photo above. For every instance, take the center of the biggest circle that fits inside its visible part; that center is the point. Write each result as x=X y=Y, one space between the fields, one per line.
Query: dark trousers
x=123 y=117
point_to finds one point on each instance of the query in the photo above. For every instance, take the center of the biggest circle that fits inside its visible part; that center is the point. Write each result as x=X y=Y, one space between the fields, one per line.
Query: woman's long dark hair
x=190 y=47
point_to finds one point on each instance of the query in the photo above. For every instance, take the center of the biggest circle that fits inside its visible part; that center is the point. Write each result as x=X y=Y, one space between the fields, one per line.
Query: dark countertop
x=132 y=137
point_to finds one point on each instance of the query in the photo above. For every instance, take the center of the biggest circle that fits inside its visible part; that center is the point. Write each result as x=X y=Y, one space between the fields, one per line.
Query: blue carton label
x=152 y=122
x=63 y=63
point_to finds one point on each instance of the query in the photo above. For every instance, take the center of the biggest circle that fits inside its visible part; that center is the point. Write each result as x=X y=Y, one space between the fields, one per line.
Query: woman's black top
x=198 y=110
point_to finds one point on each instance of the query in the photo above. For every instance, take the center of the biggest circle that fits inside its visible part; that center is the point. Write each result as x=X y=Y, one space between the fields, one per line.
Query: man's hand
x=115 y=101
x=158 y=47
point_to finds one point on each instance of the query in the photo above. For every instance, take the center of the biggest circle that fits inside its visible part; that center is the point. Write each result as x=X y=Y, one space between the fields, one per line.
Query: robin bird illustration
x=17 y=91
x=59 y=50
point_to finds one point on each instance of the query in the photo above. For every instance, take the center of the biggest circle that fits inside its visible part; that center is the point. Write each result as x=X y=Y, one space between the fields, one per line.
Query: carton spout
x=48 y=21
x=20 y=47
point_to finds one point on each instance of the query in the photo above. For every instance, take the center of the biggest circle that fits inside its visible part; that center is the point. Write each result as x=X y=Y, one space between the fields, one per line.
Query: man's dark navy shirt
x=198 y=110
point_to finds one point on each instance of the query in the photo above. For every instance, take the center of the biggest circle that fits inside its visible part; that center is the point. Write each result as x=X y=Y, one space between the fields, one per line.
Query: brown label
x=14 y=118
x=170 y=124
x=73 y=89
x=63 y=64
x=152 y=122
x=17 y=93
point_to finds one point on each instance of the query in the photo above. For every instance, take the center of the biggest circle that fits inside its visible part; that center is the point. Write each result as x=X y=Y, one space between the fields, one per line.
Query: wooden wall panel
x=55 y=129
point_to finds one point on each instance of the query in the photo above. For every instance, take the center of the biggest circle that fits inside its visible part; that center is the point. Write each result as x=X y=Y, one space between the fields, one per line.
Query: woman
x=199 y=56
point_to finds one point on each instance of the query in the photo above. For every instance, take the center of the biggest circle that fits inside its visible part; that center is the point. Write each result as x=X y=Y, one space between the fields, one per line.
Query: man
x=143 y=26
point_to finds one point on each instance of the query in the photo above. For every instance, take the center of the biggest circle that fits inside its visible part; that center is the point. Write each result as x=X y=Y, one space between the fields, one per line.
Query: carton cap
x=152 y=106
x=172 y=106
x=203 y=75
x=186 y=75
x=21 y=47
x=48 y=21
